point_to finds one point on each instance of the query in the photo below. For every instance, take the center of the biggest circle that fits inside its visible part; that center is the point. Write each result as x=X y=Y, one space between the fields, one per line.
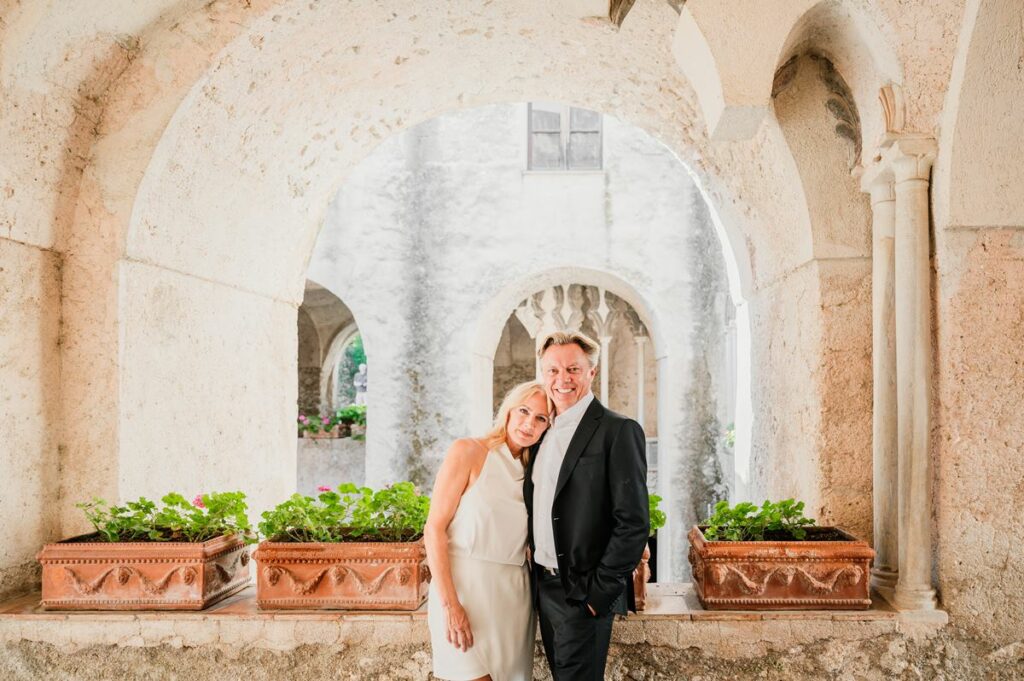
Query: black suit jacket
x=600 y=514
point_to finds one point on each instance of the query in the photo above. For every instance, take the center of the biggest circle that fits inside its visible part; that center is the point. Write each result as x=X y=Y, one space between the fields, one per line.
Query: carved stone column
x=641 y=386
x=884 y=449
x=901 y=302
x=911 y=160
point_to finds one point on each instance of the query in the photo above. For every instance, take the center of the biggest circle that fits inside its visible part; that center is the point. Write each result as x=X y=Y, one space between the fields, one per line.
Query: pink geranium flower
x=323 y=488
x=198 y=501
x=324 y=420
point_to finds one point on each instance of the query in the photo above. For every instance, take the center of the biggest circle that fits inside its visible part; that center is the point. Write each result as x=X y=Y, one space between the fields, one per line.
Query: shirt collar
x=572 y=416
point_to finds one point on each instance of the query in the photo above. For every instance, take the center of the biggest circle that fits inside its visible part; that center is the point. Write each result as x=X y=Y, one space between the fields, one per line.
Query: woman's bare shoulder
x=468 y=448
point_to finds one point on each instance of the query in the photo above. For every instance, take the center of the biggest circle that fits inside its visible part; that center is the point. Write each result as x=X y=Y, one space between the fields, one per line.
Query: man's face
x=567 y=374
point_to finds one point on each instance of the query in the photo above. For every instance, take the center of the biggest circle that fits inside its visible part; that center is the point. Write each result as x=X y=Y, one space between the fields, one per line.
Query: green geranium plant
x=352 y=415
x=179 y=520
x=656 y=514
x=393 y=514
x=745 y=521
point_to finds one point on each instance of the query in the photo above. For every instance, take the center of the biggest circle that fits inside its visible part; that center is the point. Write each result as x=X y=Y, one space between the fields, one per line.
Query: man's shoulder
x=615 y=419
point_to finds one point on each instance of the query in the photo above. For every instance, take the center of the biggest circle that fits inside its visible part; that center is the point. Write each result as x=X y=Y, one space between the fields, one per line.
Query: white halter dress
x=487 y=553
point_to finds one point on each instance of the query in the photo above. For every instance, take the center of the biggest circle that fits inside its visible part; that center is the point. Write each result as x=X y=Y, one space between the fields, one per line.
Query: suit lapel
x=584 y=431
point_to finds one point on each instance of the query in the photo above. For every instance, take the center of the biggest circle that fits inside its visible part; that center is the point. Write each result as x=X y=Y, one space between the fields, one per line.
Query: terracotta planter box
x=97 y=575
x=329 y=435
x=642 y=575
x=344 y=576
x=782 y=575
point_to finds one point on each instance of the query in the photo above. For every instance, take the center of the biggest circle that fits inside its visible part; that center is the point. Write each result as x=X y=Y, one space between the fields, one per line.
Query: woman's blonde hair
x=515 y=397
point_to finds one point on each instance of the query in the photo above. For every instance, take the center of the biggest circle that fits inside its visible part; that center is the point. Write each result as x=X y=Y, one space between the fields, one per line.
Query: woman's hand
x=459 y=634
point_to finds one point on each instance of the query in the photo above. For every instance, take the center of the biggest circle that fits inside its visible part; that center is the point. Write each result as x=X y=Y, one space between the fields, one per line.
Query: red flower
x=323 y=488
x=198 y=501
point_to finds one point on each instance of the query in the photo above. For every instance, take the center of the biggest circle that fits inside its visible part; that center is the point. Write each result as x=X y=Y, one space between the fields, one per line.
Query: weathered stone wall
x=415 y=210
x=330 y=462
x=370 y=648
x=29 y=424
x=979 y=435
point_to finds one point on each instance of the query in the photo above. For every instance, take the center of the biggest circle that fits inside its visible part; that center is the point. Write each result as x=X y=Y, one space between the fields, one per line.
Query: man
x=586 y=494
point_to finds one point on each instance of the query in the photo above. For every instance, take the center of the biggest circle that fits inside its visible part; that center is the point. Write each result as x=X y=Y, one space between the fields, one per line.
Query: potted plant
x=773 y=558
x=353 y=417
x=320 y=428
x=642 y=573
x=352 y=549
x=181 y=556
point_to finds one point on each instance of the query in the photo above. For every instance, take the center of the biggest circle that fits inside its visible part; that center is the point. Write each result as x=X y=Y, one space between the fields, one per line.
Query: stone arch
x=975 y=167
x=978 y=222
x=193 y=253
x=491 y=320
x=331 y=320
x=329 y=374
x=733 y=84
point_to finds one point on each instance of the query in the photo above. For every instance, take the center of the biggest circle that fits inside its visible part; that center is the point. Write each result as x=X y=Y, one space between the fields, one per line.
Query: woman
x=480 y=612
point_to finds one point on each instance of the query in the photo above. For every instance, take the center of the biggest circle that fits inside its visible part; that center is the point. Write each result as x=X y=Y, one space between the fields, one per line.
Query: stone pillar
x=901 y=302
x=640 y=376
x=606 y=370
x=911 y=161
x=884 y=451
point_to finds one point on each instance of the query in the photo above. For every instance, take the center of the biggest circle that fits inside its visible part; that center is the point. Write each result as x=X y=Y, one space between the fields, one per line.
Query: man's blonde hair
x=589 y=346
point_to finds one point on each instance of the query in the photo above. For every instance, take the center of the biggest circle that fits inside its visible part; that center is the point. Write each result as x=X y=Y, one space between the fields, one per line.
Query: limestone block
x=223 y=411
x=316 y=632
x=29 y=427
x=980 y=473
x=241 y=632
x=278 y=634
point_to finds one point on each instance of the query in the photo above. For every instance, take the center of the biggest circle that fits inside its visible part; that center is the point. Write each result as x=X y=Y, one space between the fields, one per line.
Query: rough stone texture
x=979 y=435
x=383 y=647
x=330 y=462
x=29 y=427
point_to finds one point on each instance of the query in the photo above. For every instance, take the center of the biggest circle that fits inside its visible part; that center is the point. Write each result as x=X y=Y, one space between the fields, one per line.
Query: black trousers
x=575 y=642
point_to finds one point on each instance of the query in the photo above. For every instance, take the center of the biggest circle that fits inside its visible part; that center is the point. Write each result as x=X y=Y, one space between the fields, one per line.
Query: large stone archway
x=205 y=190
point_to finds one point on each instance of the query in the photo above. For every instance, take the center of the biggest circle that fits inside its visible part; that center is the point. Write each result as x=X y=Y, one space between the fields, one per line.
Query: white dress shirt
x=545 y=478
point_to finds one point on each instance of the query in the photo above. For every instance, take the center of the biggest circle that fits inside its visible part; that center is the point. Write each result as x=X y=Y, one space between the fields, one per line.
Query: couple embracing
x=547 y=514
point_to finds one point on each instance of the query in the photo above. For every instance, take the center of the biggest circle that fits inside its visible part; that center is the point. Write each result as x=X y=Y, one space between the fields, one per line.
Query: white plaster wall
x=453 y=194
x=29 y=423
x=442 y=218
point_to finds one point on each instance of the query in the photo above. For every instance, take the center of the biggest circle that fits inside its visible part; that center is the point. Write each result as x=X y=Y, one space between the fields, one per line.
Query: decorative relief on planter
x=92 y=575
x=782 y=575
x=345 y=576
x=642 y=575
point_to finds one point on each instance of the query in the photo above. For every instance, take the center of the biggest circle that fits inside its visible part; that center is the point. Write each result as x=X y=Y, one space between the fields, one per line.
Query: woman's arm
x=452 y=480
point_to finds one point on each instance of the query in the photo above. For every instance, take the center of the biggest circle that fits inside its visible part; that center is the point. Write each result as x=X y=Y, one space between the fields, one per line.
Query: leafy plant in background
x=657 y=515
x=729 y=435
x=395 y=513
x=348 y=367
x=748 y=522
x=179 y=520
x=317 y=424
x=354 y=414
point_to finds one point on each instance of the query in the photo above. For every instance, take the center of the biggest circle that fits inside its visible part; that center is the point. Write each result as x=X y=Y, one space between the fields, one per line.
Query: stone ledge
x=673 y=620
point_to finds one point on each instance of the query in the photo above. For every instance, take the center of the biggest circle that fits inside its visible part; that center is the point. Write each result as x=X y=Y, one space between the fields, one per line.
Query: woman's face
x=527 y=422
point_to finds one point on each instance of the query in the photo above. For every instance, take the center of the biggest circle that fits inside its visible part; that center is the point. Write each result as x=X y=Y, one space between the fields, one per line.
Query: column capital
x=906 y=157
